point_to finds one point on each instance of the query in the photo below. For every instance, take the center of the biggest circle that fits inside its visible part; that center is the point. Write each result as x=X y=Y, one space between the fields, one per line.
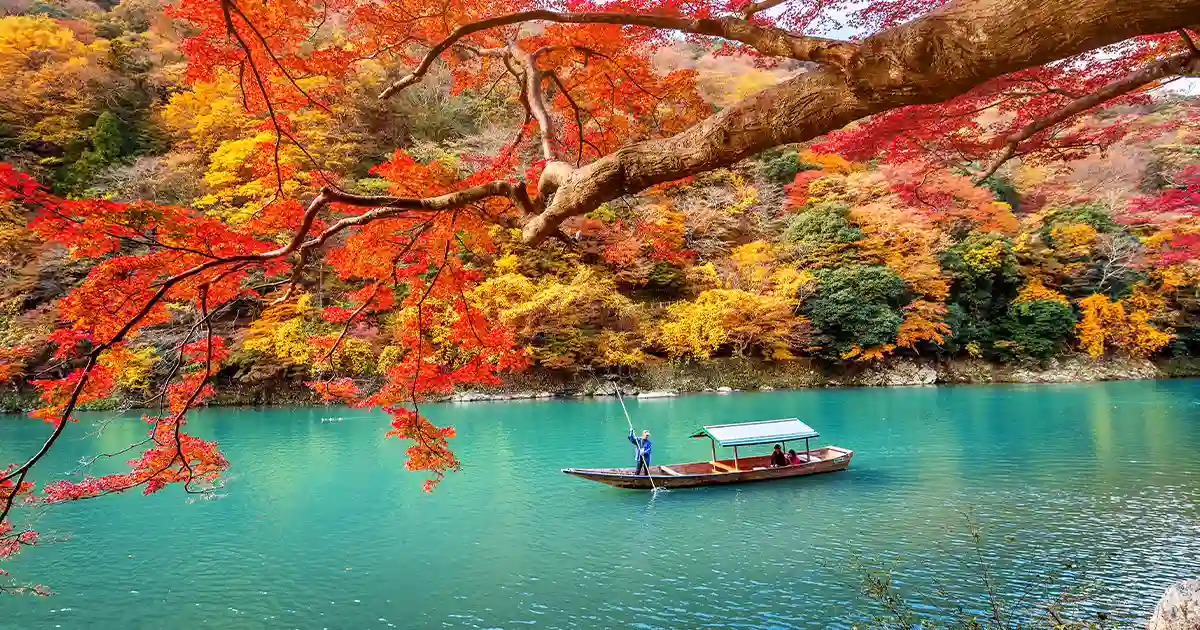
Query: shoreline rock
x=726 y=376
x=1179 y=607
x=657 y=394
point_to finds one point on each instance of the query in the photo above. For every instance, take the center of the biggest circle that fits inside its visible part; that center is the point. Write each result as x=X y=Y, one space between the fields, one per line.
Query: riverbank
x=729 y=375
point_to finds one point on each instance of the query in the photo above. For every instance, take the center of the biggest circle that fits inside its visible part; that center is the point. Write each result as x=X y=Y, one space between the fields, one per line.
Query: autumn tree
x=741 y=321
x=1123 y=325
x=80 y=97
x=569 y=324
x=600 y=123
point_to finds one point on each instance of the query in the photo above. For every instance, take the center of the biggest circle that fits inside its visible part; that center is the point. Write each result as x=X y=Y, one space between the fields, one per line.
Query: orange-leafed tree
x=600 y=121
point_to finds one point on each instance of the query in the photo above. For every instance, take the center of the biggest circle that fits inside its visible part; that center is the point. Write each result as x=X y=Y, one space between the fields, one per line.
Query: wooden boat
x=735 y=470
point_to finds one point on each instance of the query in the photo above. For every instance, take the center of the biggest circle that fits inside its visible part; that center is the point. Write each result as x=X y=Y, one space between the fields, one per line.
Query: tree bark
x=934 y=58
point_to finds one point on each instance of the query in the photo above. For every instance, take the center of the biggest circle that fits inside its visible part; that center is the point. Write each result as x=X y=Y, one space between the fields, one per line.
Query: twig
x=1190 y=43
x=766 y=39
x=1176 y=64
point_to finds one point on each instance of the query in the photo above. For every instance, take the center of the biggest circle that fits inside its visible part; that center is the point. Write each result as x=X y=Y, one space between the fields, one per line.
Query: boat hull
x=696 y=474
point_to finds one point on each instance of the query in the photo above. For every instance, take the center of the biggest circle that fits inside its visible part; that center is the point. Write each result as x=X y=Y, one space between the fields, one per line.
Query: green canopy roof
x=762 y=432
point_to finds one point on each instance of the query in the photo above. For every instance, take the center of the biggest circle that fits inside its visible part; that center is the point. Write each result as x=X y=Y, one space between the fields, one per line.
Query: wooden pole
x=714 y=449
x=736 y=464
x=807 y=457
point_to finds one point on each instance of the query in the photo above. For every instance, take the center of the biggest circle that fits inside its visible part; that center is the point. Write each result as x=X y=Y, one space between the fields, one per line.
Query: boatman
x=641 y=452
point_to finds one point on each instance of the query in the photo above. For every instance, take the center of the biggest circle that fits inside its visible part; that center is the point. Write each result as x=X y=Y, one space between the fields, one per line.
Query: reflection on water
x=320 y=526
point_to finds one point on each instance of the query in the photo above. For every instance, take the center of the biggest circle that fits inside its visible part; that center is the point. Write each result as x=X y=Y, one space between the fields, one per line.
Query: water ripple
x=322 y=528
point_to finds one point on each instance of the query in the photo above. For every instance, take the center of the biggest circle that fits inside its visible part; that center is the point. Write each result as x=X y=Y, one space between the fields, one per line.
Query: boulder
x=902 y=373
x=724 y=390
x=657 y=394
x=1179 y=608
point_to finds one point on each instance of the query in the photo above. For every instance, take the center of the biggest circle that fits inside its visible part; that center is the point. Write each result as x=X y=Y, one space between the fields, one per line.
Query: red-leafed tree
x=1178 y=202
x=602 y=121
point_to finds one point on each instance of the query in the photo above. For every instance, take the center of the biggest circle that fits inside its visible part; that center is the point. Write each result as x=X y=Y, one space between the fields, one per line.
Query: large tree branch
x=768 y=40
x=941 y=55
x=1183 y=64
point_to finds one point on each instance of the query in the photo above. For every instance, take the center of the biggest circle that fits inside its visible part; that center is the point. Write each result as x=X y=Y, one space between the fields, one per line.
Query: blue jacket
x=645 y=447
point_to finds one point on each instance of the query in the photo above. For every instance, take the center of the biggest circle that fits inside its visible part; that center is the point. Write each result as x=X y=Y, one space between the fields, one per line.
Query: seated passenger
x=792 y=457
x=777 y=458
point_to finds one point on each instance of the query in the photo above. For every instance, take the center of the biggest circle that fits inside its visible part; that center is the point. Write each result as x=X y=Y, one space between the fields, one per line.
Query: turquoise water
x=319 y=526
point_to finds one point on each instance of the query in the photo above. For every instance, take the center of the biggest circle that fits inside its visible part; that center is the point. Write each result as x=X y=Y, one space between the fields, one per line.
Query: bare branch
x=768 y=40
x=270 y=53
x=346 y=329
x=588 y=52
x=1117 y=254
x=21 y=472
x=262 y=86
x=388 y=207
x=761 y=5
x=580 y=140
x=1175 y=65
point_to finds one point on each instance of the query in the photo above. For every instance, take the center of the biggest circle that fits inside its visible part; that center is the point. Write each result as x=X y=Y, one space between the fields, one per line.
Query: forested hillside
x=799 y=252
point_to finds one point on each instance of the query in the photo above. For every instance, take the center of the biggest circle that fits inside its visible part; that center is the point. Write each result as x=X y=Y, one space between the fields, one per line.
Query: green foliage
x=1093 y=214
x=821 y=233
x=373 y=186
x=108 y=140
x=49 y=10
x=781 y=168
x=1004 y=190
x=666 y=279
x=108 y=144
x=985 y=279
x=1038 y=329
x=855 y=305
x=604 y=214
x=966 y=329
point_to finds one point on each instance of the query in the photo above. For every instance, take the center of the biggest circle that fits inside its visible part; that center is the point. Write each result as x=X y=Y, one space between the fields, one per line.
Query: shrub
x=855 y=306
x=1038 y=328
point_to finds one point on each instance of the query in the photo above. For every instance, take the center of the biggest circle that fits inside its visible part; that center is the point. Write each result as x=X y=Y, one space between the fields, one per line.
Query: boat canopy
x=762 y=432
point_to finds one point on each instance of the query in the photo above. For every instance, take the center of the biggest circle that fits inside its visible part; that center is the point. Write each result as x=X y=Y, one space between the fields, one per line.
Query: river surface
x=319 y=525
